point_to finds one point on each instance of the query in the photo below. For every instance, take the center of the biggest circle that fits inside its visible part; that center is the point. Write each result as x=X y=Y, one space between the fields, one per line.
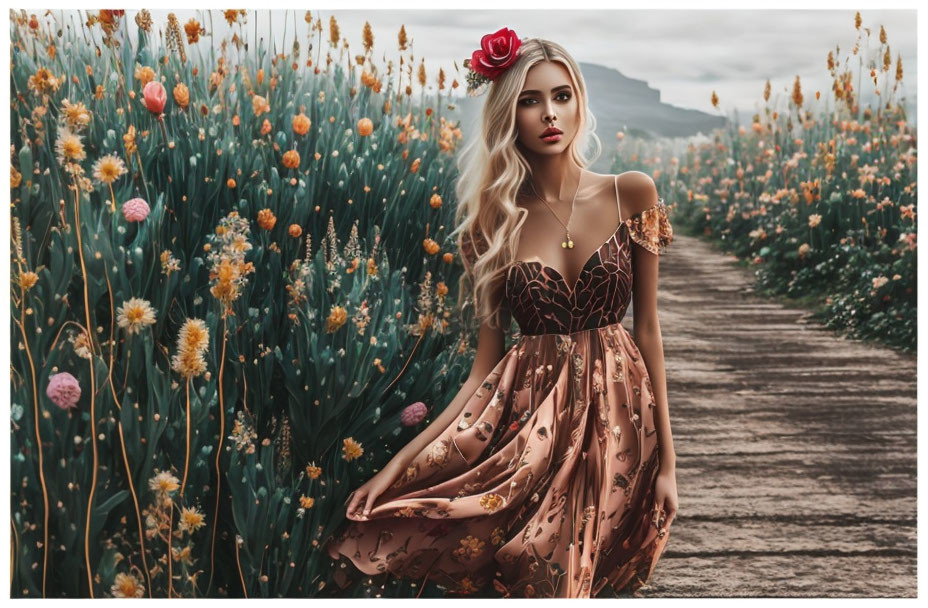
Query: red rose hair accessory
x=497 y=52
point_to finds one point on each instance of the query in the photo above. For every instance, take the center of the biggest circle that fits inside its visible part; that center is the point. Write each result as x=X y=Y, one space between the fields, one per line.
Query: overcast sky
x=686 y=54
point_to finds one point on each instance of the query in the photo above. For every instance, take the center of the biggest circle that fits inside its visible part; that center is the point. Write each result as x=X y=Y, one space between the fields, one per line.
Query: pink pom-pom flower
x=155 y=97
x=135 y=210
x=64 y=390
x=413 y=414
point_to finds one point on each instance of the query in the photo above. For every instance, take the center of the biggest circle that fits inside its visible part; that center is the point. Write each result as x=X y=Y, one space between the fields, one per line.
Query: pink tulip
x=64 y=390
x=413 y=414
x=155 y=97
x=135 y=210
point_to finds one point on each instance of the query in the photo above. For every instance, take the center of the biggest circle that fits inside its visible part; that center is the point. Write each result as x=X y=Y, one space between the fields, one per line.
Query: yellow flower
x=164 y=483
x=351 y=449
x=135 y=315
x=144 y=74
x=108 y=169
x=191 y=520
x=68 y=147
x=27 y=280
x=126 y=585
x=192 y=343
x=43 y=81
x=76 y=115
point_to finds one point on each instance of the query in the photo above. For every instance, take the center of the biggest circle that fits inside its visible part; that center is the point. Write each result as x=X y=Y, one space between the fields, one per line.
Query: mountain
x=618 y=103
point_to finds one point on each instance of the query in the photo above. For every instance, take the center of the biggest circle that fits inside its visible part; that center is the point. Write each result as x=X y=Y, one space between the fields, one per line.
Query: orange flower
x=230 y=183
x=430 y=246
x=291 y=159
x=236 y=121
x=301 y=124
x=193 y=30
x=182 y=95
x=260 y=105
x=435 y=201
x=295 y=231
x=265 y=127
x=144 y=74
x=365 y=127
x=266 y=219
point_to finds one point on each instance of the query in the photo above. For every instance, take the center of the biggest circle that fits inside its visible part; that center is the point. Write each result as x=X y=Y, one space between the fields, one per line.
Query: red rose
x=496 y=53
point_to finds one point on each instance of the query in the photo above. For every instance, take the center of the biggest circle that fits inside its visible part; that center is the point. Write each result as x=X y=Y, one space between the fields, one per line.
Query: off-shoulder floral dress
x=544 y=485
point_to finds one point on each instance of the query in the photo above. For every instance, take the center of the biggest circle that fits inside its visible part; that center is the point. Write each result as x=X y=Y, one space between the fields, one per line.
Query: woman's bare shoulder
x=637 y=191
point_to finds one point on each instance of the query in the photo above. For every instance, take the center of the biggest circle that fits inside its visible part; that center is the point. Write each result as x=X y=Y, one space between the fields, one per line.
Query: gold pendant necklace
x=568 y=243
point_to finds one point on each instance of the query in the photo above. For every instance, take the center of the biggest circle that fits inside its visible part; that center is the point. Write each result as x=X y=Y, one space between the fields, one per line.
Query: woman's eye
x=566 y=97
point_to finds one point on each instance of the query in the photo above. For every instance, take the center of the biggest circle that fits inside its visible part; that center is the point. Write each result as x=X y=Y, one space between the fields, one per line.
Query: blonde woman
x=552 y=472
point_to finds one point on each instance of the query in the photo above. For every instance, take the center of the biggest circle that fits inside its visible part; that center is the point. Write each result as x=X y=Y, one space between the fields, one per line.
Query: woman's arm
x=641 y=194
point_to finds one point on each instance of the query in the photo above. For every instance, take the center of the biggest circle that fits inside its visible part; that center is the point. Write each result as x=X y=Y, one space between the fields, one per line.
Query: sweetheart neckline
x=573 y=287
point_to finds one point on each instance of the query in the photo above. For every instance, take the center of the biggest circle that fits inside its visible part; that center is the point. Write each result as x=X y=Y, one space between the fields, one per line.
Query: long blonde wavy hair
x=492 y=169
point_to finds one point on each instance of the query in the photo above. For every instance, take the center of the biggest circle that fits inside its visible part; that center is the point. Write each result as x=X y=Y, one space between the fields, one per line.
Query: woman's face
x=547 y=99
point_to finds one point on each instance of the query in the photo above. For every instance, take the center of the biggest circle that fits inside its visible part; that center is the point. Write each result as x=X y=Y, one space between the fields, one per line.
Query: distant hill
x=618 y=101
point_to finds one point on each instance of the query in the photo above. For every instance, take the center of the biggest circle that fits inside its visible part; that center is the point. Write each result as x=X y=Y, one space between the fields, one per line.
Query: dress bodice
x=541 y=301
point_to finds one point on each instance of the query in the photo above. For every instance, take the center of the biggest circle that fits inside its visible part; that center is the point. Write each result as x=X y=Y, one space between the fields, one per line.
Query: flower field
x=819 y=199
x=207 y=355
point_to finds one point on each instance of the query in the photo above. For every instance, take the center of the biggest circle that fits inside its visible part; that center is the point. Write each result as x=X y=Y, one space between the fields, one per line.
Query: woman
x=551 y=473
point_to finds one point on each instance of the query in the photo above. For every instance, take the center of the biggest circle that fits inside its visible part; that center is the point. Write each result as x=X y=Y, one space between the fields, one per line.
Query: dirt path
x=796 y=450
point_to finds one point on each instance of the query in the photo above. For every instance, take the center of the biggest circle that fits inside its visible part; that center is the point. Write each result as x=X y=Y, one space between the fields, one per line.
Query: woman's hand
x=368 y=493
x=665 y=498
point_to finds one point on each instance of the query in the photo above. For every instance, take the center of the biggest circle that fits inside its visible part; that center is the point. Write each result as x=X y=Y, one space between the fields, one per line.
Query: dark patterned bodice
x=541 y=301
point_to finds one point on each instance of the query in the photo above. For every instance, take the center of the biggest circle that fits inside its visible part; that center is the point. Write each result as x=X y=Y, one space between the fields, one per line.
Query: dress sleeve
x=651 y=228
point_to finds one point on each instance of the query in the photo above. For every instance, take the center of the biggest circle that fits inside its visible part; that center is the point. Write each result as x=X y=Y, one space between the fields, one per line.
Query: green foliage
x=153 y=477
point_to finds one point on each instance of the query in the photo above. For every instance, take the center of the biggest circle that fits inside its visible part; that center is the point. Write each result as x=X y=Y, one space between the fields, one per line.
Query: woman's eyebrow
x=558 y=88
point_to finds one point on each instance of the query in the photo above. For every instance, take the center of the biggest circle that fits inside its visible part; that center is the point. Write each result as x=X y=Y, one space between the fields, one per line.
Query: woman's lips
x=554 y=137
